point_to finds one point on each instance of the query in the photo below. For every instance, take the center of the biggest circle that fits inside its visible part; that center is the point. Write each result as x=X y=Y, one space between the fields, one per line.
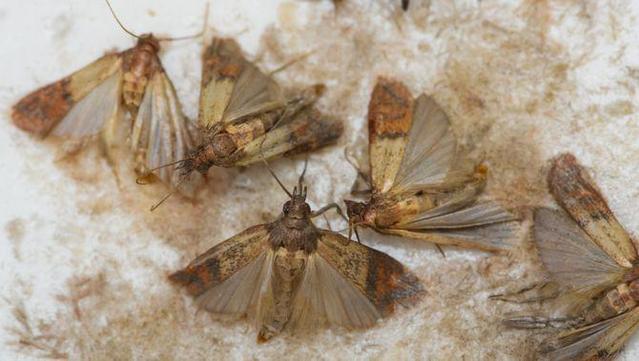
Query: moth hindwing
x=93 y=101
x=420 y=186
x=290 y=275
x=592 y=259
x=246 y=117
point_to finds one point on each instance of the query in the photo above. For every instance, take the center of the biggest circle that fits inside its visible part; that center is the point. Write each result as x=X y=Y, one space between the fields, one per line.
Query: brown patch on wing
x=220 y=59
x=384 y=280
x=41 y=110
x=316 y=131
x=222 y=261
x=576 y=192
x=389 y=110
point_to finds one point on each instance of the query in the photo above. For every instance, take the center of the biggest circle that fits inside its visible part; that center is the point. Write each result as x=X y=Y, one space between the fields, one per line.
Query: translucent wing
x=381 y=279
x=571 y=258
x=600 y=341
x=430 y=149
x=229 y=277
x=460 y=220
x=326 y=295
x=232 y=87
x=160 y=132
x=575 y=191
x=84 y=101
x=309 y=130
x=389 y=120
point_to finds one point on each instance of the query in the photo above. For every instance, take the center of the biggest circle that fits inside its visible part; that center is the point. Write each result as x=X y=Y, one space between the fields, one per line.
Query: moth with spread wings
x=419 y=188
x=594 y=261
x=245 y=116
x=94 y=100
x=290 y=275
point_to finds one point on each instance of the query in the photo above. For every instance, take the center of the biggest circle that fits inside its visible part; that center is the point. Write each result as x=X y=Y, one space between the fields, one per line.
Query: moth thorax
x=620 y=298
x=223 y=145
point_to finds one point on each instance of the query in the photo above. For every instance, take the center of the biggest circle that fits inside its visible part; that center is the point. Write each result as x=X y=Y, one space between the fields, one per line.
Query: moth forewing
x=307 y=131
x=44 y=108
x=389 y=121
x=578 y=195
x=599 y=341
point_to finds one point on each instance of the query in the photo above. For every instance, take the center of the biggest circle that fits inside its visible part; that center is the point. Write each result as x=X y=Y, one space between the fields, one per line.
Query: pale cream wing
x=95 y=112
x=571 y=258
x=599 y=341
x=160 y=132
x=430 y=149
x=325 y=295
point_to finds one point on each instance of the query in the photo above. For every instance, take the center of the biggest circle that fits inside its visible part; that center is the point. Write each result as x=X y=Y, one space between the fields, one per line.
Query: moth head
x=297 y=207
x=149 y=41
x=355 y=211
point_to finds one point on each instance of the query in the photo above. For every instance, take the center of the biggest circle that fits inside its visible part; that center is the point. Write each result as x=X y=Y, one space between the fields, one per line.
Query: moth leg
x=360 y=175
x=538 y=292
x=327 y=208
x=535 y=322
x=440 y=249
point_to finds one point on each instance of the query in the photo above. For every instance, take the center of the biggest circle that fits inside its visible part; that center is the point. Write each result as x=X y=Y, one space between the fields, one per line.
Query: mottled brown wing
x=599 y=341
x=230 y=277
x=161 y=134
x=390 y=115
x=79 y=104
x=576 y=192
x=232 y=87
x=309 y=130
x=384 y=281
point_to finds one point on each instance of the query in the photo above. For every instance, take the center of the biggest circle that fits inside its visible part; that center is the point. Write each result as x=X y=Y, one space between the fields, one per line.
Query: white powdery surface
x=83 y=263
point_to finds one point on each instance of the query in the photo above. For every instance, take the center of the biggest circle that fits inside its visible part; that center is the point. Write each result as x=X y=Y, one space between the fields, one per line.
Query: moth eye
x=287 y=207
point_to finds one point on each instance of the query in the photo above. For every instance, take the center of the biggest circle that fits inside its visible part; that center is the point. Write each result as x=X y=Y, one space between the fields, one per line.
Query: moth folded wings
x=593 y=260
x=94 y=101
x=245 y=116
x=420 y=186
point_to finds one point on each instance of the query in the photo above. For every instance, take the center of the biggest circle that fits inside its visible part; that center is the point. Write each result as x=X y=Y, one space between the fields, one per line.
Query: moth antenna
x=300 y=180
x=169 y=194
x=292 y=61
x=139 y=180
x=120 y=23
x=277 y=179
x=201 y=33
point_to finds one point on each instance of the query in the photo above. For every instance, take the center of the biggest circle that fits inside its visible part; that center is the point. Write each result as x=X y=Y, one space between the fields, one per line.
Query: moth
x=420 y=188
x=96 y=100
x=291 y=275
x=245 y=116
x=593 y=260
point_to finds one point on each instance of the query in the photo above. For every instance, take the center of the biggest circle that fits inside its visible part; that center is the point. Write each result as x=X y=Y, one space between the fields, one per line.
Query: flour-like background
x=83 y=262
